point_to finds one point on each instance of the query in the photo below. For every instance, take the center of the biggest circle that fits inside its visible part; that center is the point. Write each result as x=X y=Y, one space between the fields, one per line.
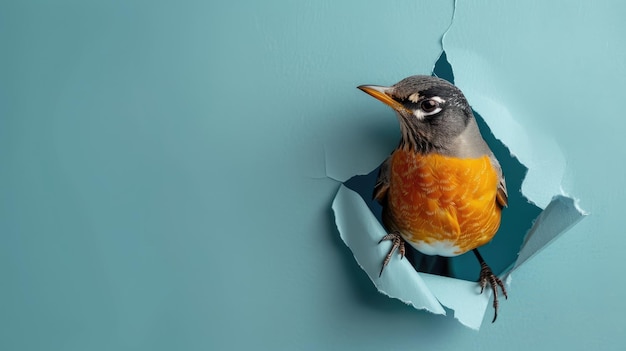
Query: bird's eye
x=429 y=105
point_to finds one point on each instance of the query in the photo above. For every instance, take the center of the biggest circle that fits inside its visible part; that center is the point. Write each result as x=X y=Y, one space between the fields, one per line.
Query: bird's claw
x=487 y=277
x=397 y=243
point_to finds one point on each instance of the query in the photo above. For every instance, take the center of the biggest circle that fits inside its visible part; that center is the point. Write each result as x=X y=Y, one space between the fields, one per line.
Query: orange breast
x=443 y=205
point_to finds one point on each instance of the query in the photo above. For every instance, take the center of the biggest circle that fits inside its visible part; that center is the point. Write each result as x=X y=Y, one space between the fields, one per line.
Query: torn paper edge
x=426 y=291
x=361 y=232
x=557 y=218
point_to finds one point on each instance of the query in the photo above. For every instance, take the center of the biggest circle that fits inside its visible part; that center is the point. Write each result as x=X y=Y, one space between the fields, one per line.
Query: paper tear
x=359 y=225
x=461 y=296
x=443 y=39
x=560 y=215
x=360 y=229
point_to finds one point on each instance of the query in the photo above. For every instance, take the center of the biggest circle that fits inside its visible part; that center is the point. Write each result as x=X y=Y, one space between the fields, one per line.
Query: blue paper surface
x=168 y=168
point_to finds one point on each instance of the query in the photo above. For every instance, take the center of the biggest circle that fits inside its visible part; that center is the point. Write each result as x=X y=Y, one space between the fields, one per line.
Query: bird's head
x=431 y=111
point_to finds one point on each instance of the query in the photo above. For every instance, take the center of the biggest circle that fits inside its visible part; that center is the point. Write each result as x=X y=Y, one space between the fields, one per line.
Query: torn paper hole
x=525 y=230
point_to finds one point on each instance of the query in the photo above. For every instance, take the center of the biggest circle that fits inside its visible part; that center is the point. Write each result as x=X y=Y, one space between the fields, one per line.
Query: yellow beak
x=380 y=93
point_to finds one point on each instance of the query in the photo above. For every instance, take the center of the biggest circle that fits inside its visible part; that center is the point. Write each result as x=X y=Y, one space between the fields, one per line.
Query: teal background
x=167 y=169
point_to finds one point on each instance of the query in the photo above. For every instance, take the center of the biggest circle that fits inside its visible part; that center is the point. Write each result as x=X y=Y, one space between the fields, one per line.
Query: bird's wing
x=382 y=182
x=502 y=196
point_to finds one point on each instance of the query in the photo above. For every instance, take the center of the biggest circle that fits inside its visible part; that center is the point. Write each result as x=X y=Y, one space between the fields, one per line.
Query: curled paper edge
x=360 y=231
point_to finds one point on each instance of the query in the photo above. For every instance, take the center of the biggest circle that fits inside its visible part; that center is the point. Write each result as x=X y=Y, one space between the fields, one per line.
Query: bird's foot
x=487 y=277
x=397 y=243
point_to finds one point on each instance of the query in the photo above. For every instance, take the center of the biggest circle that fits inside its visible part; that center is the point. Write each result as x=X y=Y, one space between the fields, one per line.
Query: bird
x=442 y=190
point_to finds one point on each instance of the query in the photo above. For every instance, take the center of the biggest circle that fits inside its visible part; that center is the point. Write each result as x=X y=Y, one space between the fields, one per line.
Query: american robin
x=442 y=189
